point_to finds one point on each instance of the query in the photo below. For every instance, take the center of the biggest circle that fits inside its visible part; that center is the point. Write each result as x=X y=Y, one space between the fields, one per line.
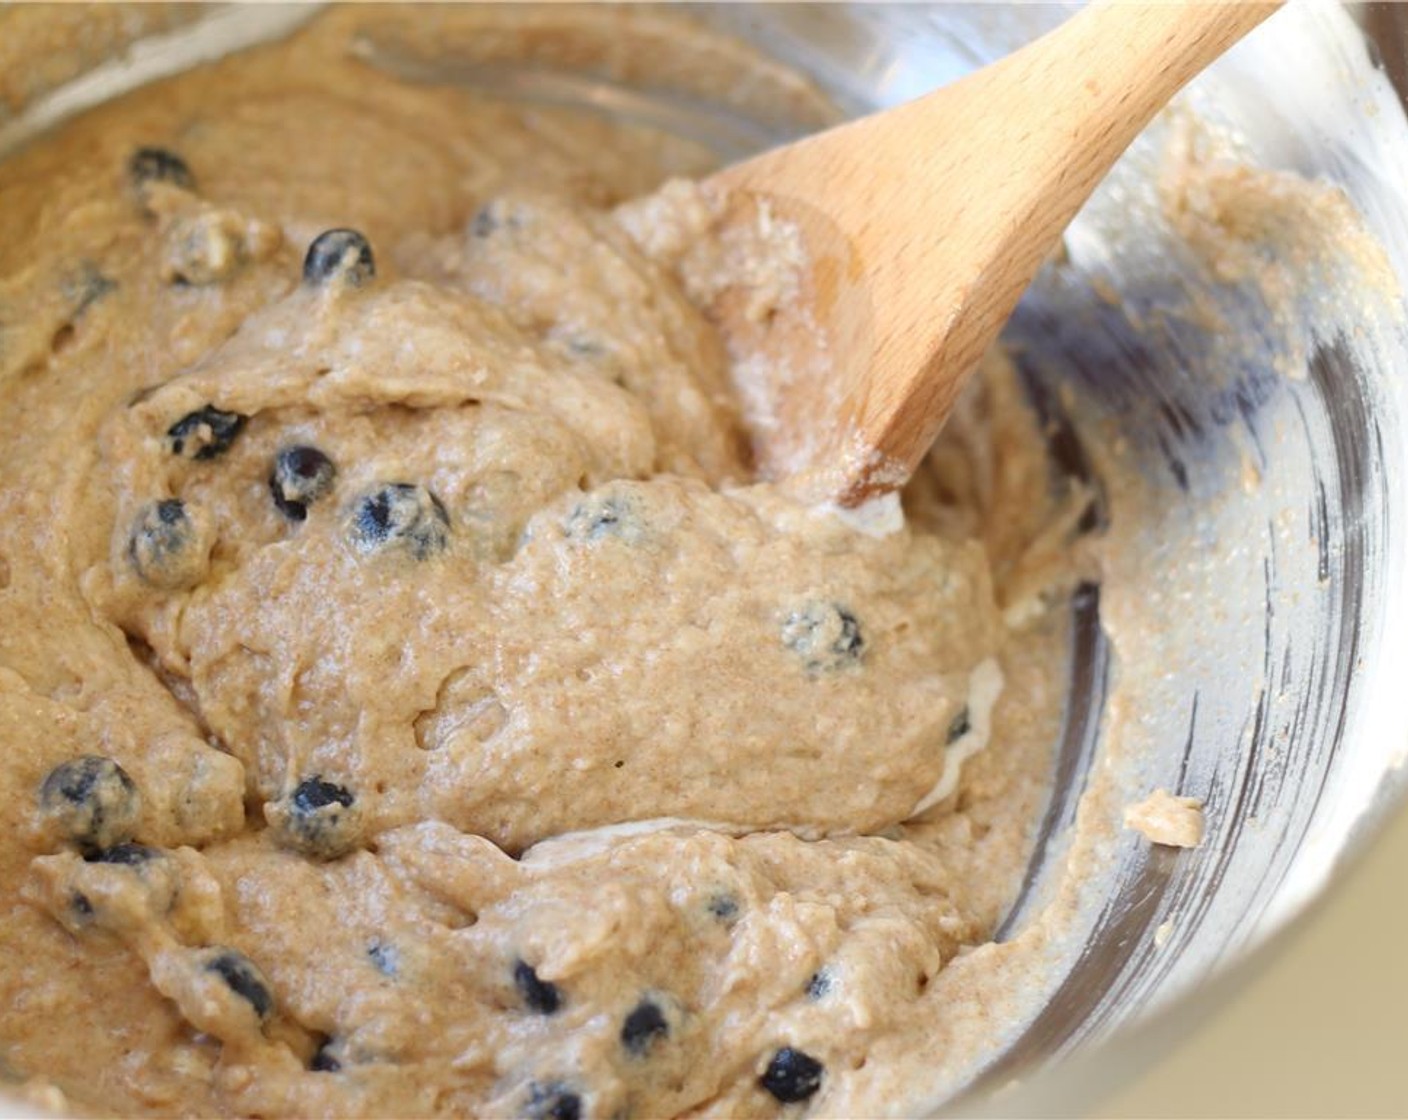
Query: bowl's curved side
x=1252 y=449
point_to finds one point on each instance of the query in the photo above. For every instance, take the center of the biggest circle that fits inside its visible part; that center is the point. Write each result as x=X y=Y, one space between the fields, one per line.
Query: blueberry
x=961 y=725
x=494 y=215
x=541 y=996
x=81 y=905
x=323 y=1060
x=404 y=515
x=243 y=978
x=605 y=515
x=386 y=959
x=339 y=254
x=486 y=220
x=300 y=477
x=553 y=1101
x=319 y=819
x=313 y=794
x=158 y=165
x=819 y=985
x=162 y=546
x=826 y=636
x=204 y=434
x=643 y=1027
x=723 y=906
x=792 y=1076
x=126 y=855
x=92 y=800
x=86 y=287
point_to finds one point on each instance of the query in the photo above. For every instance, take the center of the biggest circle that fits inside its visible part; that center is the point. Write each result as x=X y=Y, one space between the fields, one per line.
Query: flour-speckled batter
x=411 y=704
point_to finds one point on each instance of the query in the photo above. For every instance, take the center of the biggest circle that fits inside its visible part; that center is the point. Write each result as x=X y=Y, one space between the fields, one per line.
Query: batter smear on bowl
x=413 y=703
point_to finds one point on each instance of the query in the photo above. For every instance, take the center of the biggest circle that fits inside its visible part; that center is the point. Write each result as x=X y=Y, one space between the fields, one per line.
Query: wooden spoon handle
x=946 y=207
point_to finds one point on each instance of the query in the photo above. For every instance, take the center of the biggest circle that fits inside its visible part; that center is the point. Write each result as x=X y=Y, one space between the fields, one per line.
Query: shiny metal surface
x=1276 y=612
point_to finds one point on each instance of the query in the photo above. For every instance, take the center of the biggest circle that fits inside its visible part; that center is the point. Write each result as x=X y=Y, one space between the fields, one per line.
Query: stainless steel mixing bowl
x=1259 y=618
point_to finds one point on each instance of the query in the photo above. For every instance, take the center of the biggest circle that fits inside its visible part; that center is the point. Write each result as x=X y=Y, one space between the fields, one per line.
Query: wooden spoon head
x=925 y=223
x=847 y=362
x=797 y=352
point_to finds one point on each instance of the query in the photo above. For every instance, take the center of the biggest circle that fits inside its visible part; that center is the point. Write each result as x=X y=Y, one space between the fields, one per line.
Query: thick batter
x=411 y=703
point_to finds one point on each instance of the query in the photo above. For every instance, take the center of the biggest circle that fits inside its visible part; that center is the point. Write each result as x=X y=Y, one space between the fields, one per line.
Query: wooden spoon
x=925 y=223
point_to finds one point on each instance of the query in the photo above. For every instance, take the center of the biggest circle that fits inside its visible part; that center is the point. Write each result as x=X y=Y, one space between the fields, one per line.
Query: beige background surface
x=1320 y=1031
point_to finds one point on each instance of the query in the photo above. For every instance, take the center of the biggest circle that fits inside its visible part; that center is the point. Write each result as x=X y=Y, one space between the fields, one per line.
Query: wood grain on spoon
x=925 y=223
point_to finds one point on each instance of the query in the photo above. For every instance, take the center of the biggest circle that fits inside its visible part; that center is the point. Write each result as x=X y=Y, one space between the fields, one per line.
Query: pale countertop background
x=1318 y=1029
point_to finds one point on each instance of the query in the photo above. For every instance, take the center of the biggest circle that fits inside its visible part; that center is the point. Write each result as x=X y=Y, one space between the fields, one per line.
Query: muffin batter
x=412 y=704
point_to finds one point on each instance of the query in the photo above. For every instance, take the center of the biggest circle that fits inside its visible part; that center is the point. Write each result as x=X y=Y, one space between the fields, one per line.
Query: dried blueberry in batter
x=643 y=1027
x=495 y=215
x=162 y=546
x=319 y=819
x=599 y=516
x=126 y=855
x=723 y=906
x=81 y=905
x=86 y=287
x=339 y=254
x=792 y=1075
x=826 y=636
x=301 y=476
x=486 y=220
x=385 y=958
x=961 y=725
x=819 y=985
x=204 y=434
x=92 y=800
x=400 y=515
x=159 y=165
x=243 y=978
x=324 y=1060
x=539 y=995
x=553 y=1101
